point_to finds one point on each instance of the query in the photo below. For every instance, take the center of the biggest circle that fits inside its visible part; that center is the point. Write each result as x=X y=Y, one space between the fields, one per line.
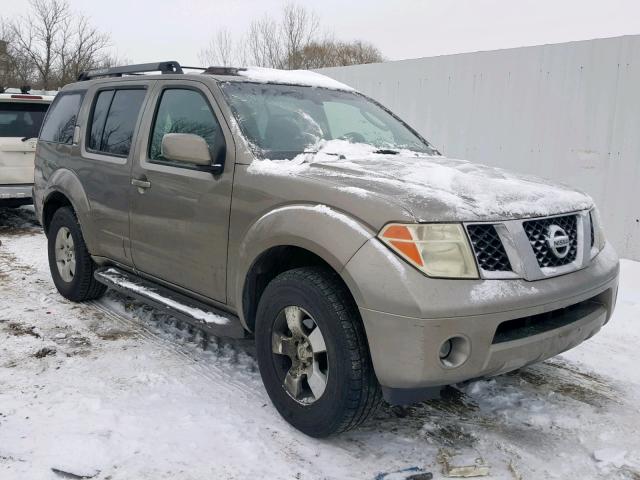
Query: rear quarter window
x=62 y=118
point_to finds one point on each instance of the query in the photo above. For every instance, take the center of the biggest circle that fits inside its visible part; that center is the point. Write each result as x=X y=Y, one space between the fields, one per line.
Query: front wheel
x=313 y=353
x=69 y=261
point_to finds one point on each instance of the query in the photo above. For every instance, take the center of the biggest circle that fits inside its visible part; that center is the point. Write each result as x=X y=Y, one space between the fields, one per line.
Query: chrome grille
x=488 y=248
x=537 y=233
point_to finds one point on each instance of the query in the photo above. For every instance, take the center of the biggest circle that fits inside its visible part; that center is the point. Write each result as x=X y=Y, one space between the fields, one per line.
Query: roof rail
x=162 y=67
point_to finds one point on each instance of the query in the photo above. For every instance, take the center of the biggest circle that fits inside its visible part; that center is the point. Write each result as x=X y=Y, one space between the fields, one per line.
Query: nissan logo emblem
x=559 y=241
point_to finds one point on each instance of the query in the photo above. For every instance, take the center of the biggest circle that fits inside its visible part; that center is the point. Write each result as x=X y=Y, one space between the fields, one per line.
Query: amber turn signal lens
x=437 y=249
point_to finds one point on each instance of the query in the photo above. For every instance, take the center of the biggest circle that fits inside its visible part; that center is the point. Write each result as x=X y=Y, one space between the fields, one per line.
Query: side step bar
x=214 y=321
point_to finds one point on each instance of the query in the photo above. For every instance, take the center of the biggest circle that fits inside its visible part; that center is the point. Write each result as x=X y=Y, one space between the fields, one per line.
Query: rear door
x=114 y=110
x=20 y=122
x=180 y=217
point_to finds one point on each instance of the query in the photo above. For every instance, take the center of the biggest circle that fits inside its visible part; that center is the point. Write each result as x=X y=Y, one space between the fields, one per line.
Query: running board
x=212 y=320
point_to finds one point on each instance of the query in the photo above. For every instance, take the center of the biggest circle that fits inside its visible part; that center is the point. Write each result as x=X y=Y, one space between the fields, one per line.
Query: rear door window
x=113 y=121
x=62 y=117
x=99 y=117
x=21 y=120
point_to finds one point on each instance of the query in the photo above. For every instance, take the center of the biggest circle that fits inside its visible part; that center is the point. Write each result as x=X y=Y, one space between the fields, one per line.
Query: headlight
x=437 y=249
x=597 y=232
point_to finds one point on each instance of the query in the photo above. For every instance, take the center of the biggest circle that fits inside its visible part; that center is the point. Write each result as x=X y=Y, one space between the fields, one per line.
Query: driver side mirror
x=189 y=148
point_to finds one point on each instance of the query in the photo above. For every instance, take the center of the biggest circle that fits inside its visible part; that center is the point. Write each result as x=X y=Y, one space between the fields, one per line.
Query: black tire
x=352 y=391
x=83 y=286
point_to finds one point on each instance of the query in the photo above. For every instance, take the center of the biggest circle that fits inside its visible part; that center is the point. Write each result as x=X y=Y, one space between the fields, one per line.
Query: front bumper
x=408 y=316
x=17 y=192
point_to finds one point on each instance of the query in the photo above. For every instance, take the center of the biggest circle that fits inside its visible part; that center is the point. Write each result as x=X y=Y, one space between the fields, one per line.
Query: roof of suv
x=172 y=70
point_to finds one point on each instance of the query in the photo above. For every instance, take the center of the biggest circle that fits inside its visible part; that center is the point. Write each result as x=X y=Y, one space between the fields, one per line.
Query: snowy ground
x=112 y=389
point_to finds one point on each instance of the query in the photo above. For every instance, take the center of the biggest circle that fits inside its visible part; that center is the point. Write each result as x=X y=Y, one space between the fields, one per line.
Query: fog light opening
x=454 y=351
x=445 y=349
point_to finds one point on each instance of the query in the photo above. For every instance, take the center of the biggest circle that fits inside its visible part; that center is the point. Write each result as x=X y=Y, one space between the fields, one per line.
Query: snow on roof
x=292 y=77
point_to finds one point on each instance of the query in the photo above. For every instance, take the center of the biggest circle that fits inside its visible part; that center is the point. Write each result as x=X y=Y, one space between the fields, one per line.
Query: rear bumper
x=16 y=192
x=15 y=195
x=405 y=349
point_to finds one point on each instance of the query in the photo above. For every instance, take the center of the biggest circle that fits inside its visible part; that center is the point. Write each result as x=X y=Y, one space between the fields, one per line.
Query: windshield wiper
x=24 y=139
x=386 y=151
x=318 y=151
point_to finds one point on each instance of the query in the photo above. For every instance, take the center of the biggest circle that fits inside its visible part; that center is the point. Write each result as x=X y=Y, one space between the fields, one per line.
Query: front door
x=180 y=212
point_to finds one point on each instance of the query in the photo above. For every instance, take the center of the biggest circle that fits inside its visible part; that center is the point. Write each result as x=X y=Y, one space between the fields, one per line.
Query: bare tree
x=298 y=28
x=113 y=60
x=291 y=42
x=35 y=35
x=50 y=45
x=355 y=53
x=18 y=70
x=81 y=47
x=221 y=51
x=264 y=44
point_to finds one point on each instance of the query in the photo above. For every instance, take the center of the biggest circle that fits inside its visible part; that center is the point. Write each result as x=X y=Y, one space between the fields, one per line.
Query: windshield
x=283 y=121
x=21 y=119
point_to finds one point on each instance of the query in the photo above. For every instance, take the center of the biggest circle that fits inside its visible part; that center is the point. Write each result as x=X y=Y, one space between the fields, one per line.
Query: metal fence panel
x=569 y=112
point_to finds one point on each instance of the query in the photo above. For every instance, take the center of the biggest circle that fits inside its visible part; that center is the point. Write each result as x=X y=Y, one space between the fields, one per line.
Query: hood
x=433 y=188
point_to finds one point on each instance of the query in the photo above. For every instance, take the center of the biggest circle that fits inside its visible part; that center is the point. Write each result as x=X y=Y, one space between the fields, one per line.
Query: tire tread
x=88 y=288
x=365 y=394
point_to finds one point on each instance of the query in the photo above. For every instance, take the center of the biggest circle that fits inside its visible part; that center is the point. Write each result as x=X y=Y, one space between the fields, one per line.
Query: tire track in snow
x=200 y=364
x=203 y=365
x=222 y=375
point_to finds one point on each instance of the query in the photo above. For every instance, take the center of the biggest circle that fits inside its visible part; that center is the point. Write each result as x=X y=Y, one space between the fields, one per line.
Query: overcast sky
x=148 y=30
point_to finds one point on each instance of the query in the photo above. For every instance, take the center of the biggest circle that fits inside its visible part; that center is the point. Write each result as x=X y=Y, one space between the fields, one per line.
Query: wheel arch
x=292 y=237
x=54 y=201
x=65 y=189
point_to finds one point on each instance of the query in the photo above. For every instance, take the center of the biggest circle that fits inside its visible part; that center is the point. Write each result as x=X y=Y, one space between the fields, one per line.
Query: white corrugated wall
x=569 y=112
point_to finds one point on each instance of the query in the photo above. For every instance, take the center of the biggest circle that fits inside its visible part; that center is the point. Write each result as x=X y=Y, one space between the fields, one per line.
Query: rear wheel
x=69 y=261
x=313 y=353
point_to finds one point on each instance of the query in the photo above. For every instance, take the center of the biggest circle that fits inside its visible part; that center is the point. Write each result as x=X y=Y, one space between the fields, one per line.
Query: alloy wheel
x=300 y=355
x=65 y=254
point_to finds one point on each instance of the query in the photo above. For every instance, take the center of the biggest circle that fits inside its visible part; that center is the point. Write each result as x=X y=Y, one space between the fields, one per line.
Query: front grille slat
x=538 y=234
x=488 y=248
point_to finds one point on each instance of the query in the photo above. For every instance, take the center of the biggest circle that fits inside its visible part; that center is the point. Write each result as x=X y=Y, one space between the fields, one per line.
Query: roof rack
x=223 y=70
x=162 y=67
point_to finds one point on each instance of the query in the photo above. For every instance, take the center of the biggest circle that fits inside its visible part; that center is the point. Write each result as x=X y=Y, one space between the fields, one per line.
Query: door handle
x=140 y=183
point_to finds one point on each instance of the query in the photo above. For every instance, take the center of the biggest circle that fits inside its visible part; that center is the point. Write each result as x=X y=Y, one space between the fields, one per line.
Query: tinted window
x=184 y=111
x=21 y=119
x=117 y=133
x=61 y=120
x=98 y=117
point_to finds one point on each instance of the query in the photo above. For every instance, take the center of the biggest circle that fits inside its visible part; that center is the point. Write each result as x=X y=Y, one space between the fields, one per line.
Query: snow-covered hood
x=433 y=188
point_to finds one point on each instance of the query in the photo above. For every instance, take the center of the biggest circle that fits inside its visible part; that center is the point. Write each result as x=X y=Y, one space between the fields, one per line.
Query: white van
x=21 y=115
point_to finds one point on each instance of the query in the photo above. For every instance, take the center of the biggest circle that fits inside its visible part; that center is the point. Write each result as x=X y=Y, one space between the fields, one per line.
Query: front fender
x=329 y=233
